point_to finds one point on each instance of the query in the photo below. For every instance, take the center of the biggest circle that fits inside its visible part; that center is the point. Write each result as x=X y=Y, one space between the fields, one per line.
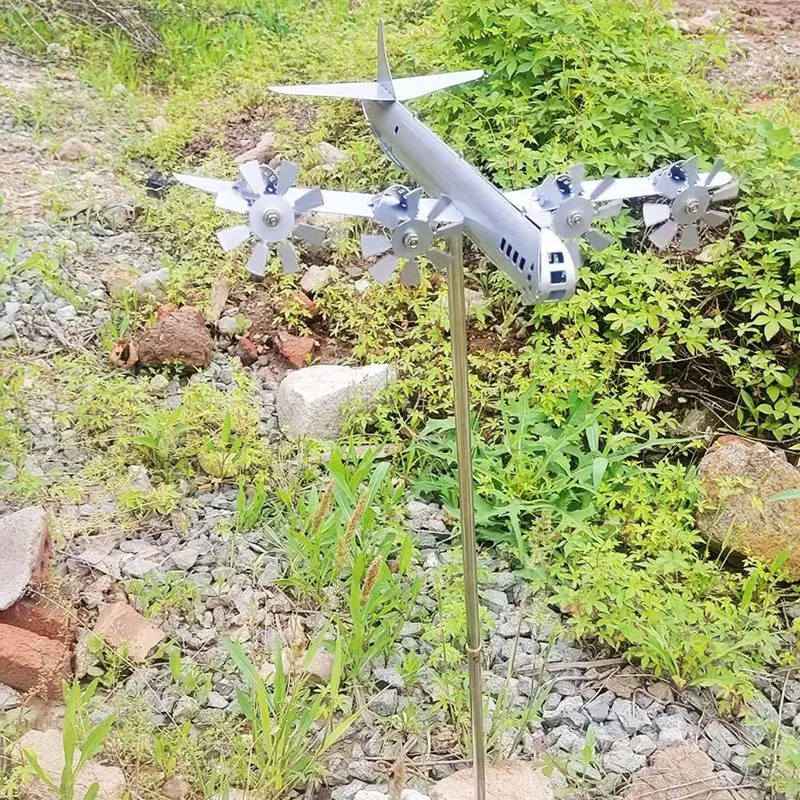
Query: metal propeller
x=690 y=204
x=411 y=235
x=271 y=217
x=572 y=213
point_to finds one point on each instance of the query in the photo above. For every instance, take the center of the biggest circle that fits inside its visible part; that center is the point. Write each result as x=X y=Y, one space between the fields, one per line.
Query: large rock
x=179 y=337
x=311 y=401
x=739 y=479
x=26 y=552
x=49 y=750
x=506 y=780
x=675 y=773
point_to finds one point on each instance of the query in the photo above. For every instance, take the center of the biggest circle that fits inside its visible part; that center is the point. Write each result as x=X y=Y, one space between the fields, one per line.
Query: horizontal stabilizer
x=355 y=91
x=404 y=88
x=408 y=88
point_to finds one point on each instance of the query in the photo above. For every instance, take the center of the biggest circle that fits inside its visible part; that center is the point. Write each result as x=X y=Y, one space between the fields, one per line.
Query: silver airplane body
x=531 y=234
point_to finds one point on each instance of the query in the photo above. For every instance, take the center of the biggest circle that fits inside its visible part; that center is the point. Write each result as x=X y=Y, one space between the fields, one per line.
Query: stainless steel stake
x=458 y=340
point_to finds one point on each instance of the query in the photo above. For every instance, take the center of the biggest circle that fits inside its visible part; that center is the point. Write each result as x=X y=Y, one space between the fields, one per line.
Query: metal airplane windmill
x=531 y=234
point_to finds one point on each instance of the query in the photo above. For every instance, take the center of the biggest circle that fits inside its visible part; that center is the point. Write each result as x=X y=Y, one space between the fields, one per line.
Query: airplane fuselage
x=508 y=237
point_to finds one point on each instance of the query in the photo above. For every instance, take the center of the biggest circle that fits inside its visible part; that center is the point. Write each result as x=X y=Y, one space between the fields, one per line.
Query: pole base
x=505 y=780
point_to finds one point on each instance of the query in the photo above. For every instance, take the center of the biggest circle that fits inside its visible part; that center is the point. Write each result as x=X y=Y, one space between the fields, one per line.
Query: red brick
x=120 y=625
x=42 y=616
x=29 y=661
x=296 y=350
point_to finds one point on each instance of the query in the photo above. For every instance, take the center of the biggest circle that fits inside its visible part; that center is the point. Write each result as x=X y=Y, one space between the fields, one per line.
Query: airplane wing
x=344 y=204
x=619 y=189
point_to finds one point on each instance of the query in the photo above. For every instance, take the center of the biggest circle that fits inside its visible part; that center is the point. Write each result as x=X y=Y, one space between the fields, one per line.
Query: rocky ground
x=608 y=728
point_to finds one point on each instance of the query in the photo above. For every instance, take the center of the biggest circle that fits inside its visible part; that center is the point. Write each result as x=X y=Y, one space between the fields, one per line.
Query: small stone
x=138 y=478
x=316 y=278
x=505 y=780
x=412 y=794
x=370 y=794
x=74 y=149
x=263 y=151
x=9 y=698
x=151 y=283
x=216 y=700
x=599 y=707
x=673 y=729
x=319 y=668
x=159 y=124
x=388 y=678
x=643 y=744
x=137 y=567
x=348 y=791
x=159 y=385
x=330 y=155
x=66 y=314
x=228 y=326
x=185 y=558
x=26 y=552
x=622 y=760
x=385 y=703
x=494 y=600
x=185 y=709
x=120 y=625
x=176 y=788
x=361 y=285
x=629 y=714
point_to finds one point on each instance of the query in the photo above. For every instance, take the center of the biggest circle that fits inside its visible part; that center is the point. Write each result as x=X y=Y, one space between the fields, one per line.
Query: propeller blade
x=664 y=234
x=228 y=201
x=601 y=187
x=257 y=263
x=440 y=205
x=384 y=268
x=289 y=260
x=690 y=238
x=410 y=273
x=212 y=185
x=374 y=244
x=609 y=209
x=308 y=200
x=311 y=234
x=231 y=238
x=716 y=218
x=286 y=175
x=715 y=168
x=598 y=241
x=386 y=214
x=655 y=214
x=690 y=168
x=576 y=172
x=412 y=202
x=548 y=194
x=439 y=257
x=575 y=251
x=728 y=192
x=251 y=172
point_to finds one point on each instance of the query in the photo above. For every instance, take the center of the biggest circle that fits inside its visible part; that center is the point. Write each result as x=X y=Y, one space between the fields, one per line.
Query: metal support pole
x=458 y=340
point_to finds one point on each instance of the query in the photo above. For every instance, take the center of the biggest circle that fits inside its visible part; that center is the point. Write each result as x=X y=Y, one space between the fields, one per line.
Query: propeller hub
x=271 y=218
x=411 y=238
x=572 y=218
x=690 y=205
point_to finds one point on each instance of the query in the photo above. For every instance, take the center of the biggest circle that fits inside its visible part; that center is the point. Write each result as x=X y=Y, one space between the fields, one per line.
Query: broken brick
x=296 y=350
x=42 y=616
x=32 y=662
x=119 y=625
x=247 y=350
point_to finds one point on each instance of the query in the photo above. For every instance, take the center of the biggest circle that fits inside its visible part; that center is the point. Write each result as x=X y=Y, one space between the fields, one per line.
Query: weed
x=157 y=596
x=290 y=726
x=81 y=742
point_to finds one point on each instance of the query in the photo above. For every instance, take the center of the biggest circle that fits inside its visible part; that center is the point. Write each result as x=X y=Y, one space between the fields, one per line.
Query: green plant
x=81 y=742
x=614 y=544
x=157 y=596
x=290 y=726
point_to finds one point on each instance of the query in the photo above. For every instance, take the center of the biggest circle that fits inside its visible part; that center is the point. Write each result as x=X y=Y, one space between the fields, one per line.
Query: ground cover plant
x=582 y=484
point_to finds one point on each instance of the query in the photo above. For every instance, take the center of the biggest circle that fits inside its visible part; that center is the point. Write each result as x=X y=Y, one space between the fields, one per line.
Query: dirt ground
x=764 y=36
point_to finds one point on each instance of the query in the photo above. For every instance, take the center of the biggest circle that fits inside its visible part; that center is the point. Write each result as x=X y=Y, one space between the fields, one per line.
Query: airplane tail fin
x=385 y=88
